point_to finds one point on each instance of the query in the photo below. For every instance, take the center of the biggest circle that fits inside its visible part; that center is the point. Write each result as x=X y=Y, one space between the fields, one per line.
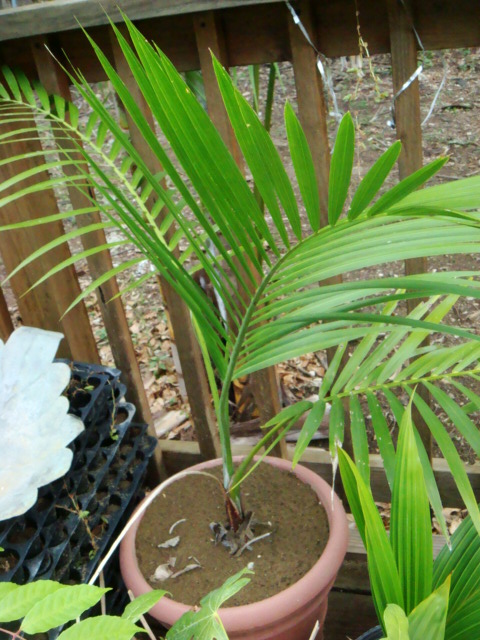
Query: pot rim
x=317 y=579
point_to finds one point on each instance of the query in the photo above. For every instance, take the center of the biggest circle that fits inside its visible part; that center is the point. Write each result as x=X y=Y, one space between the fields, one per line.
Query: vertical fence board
x=312 y=109
x=409 y=131
x=193 y=370
x=211 y=39
x=55 y=81
x=44 y=305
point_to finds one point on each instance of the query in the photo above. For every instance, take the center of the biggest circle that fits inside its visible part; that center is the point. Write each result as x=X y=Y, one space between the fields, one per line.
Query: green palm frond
x=201 y=212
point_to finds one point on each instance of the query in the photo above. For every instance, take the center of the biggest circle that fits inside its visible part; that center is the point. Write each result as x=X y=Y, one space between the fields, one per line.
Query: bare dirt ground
x=366 y=90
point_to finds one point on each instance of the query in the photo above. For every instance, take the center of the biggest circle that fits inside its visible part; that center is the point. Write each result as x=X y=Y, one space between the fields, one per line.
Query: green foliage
x=205 y=624
x=427 y=620
x=206 y=216
x=415 y=597
x=45 y=605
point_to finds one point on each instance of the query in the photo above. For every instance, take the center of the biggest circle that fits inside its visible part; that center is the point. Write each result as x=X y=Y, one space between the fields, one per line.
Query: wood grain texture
x=55 y=81
x=255 y=32
x=191 y=361
x=43 y=306
x=63 y=15
x=312 y=110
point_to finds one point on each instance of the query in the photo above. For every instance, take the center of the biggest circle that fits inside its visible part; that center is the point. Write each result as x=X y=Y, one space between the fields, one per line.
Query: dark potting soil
x=300 y=535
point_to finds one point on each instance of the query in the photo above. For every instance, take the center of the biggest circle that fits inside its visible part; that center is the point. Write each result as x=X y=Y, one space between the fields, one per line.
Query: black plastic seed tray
x=66 y=533
x=93 y=391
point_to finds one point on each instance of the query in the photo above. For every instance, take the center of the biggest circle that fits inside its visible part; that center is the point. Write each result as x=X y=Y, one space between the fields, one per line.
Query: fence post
x=409 y=130
x=312 y=109
x=55 y=81
x=210 y=39
x=191 y=361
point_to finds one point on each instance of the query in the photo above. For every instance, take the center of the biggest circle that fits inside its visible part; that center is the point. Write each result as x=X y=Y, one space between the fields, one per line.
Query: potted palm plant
x=265 y=269
x=415 y=597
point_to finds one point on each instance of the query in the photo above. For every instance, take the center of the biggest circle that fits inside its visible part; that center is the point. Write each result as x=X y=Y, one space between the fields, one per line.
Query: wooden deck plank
x=255 y=32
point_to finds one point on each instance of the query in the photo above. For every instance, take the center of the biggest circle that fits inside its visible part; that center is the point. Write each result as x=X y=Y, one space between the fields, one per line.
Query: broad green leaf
x=431 y=486
x=268 y=172
x=457 y=194
x=373 y=181
x=61 y=607
x=17 y=603
x=462 y=422
x=350 y=486
x=450 y=454
x=26 y=87
x=6 y=587
x=101 y=628
x=141 y=605
x=406 y=186
x=12 y=83
x=60 y=105
x=336 y=426
x=384 y=576
x=396 y=623
x=359 y=439
x=205 y=624
x=304 y=167
x=464 y=622
x=461 y=560
x=341 y=168
x=428 y=619
x=384 y=439
x=410 y=525
x=293 y=411
x=308 y=430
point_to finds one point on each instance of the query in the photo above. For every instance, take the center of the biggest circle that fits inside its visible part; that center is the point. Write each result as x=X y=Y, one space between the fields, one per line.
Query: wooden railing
x=239 y=32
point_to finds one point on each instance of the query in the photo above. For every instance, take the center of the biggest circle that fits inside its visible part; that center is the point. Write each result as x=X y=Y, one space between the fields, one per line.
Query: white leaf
x=34 y=424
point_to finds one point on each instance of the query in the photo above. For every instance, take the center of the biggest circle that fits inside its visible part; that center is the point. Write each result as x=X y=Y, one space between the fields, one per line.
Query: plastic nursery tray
x=65 y=534
x=93 y=391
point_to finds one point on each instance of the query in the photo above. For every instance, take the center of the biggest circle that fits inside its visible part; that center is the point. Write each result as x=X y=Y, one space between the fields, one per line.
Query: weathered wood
x=55 y=81
x=356 y=548
x=255 y=33
x=43 y=306
x=179 y=455
x=6 y=324
x=446 y=24
x=189 y=353
x=211 y=39
x=312 y=109
x=63 y=15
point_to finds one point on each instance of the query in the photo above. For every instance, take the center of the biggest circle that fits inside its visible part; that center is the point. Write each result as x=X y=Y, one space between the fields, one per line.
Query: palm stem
x=223 y=417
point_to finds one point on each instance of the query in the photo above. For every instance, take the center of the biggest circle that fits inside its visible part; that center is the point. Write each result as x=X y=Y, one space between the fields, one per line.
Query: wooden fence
x=239 y=32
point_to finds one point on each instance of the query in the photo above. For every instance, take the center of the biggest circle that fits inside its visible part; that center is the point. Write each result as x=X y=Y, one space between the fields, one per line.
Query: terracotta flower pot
x=288 y=615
